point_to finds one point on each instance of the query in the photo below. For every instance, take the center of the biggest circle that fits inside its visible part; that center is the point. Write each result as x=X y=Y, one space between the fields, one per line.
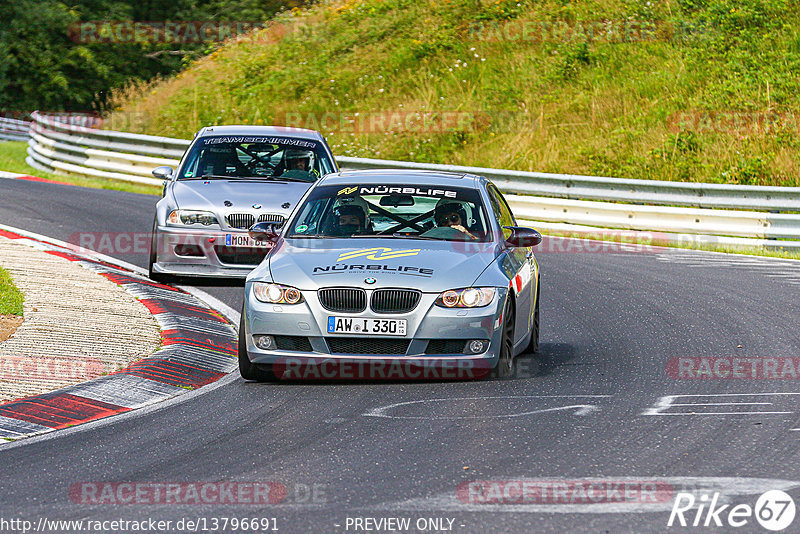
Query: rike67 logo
x=774 y=510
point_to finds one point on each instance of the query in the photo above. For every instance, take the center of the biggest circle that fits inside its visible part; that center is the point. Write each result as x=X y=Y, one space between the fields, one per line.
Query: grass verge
x=11 y=298
x=12 y=159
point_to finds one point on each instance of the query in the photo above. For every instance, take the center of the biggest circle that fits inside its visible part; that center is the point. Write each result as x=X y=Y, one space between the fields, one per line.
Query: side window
x=501 y=210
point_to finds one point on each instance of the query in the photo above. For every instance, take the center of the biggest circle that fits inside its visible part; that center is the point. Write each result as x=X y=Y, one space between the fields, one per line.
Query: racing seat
x=219 y=161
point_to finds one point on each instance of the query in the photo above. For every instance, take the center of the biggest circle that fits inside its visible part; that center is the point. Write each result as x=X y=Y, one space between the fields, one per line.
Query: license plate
x=366 y=325
x=244 y=240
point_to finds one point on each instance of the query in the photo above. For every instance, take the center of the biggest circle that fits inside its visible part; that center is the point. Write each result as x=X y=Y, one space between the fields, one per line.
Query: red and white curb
x=28 y=177
x=199 y=346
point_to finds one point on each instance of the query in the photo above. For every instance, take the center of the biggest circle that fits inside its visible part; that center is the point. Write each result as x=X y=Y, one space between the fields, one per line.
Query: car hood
x=431 y=266
x=271 y=195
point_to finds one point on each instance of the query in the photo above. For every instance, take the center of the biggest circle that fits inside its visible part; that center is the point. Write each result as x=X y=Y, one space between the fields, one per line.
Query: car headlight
x=470 y=297
x=187 y=217
x=276 y=293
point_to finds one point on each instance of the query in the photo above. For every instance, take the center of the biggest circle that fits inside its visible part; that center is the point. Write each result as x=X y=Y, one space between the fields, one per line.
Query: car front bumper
x=307 y=322
x=217 y=259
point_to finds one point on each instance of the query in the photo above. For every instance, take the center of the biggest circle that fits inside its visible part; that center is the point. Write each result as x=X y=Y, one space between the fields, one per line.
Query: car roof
x=279 y=131
x=403 y=177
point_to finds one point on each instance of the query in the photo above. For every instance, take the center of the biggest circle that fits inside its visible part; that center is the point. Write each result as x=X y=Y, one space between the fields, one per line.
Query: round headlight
x=292 y=296
x=470 y=297
x=450 y=298
x=274 y=293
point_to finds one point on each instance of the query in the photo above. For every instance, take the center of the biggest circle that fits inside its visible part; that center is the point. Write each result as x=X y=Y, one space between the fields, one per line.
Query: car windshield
x=389 y=211
x=256 y=157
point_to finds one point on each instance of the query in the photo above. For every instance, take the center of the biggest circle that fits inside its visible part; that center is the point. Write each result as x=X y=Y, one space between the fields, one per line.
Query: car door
x=518 y=266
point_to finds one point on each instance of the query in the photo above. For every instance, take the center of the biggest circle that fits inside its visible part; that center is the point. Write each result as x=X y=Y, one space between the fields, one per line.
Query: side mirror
x=163 y=173
x=523 y=237
x=264 y=231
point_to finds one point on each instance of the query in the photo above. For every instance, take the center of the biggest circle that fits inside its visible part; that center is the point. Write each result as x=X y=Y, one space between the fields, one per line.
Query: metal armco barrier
x=676 y=211
x=702 y=195
x=14 y=130
x=56 y=146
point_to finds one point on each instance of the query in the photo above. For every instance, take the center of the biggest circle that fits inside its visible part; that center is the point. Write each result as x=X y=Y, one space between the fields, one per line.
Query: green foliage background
x=42 y=68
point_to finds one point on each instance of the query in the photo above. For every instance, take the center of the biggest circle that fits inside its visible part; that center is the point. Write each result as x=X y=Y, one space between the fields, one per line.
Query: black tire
x=154 y=276
x=249 y=370
x=533 y=346
x=505 y=365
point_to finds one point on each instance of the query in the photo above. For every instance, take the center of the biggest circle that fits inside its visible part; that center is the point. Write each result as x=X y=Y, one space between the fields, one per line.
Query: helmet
x=293 y=155
x=351 y=205
x=447 y=205
x=350 y=209
x=356 y=202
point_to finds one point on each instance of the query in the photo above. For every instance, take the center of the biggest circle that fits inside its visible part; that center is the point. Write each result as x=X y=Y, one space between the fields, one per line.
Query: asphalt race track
x=599 y=403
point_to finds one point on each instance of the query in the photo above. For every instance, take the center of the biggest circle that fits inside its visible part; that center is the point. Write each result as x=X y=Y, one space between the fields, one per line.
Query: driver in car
x=299 y=163
x=453 y=214
x=350 y=219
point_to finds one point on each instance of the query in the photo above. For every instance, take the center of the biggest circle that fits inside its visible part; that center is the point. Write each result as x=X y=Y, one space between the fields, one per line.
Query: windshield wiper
x=206 y=177
x=407 y=236
x=247 y=178
x=290 y=179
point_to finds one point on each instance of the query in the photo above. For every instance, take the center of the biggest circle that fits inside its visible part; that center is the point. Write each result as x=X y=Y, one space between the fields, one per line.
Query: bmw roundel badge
x=370 y=280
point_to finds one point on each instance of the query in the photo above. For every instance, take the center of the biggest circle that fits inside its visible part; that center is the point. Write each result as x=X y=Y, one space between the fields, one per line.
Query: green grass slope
x=11 y=298
x=691 y=90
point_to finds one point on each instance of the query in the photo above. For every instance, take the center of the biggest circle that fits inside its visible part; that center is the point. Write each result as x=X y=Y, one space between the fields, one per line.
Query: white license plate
x=366 y=325
x=244 y=240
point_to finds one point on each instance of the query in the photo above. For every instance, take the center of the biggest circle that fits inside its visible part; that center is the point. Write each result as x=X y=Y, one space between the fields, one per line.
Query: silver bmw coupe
x=392 y=274
x=230 y=178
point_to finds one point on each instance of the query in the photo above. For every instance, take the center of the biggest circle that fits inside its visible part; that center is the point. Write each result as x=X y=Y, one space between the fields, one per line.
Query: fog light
x=477 y=346
x=189 y=250
x=264 y=342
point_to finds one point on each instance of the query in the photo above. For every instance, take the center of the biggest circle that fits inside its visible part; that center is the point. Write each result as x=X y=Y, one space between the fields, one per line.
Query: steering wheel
x=260 y=167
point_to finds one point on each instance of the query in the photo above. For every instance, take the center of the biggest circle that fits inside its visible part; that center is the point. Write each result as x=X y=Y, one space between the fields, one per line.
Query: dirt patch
x=8 y=325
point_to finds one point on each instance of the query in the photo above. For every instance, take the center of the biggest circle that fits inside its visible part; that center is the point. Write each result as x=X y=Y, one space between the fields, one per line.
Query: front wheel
x=505 y=365
x=152 y=274
x=248 y=369
x=533 y=346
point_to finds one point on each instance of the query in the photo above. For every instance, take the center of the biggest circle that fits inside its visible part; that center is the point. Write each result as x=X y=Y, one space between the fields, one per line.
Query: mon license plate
x=244 y=240
x=365 y=325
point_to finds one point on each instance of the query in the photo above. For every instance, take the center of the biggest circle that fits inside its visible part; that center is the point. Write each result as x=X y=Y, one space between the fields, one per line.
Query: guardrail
x=677 y=211
x=56 y=146
x=14 y=130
